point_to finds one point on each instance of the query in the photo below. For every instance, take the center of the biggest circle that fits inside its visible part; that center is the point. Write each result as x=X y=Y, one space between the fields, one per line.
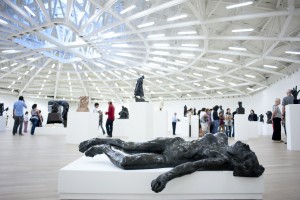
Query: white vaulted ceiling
x=186 y=49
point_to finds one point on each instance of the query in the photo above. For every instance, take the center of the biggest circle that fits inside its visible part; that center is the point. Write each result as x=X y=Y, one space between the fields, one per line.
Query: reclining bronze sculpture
x=209 y=153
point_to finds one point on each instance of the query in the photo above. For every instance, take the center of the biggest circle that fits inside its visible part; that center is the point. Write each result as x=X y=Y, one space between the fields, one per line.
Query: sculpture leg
x=135 y=161
x=154 y=146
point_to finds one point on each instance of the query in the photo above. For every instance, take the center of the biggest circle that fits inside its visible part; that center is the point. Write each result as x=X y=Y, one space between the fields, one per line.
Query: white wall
x=260 y=102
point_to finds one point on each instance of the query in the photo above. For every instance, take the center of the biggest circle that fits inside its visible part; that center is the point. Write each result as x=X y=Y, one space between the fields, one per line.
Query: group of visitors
x=19 y=117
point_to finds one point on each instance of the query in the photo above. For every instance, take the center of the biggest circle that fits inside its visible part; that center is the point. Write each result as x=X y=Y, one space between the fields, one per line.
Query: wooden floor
x=29 y=166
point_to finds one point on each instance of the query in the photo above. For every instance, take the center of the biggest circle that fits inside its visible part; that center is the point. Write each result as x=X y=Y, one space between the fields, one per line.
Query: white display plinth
x=121 y=127
x=160 y=123
x=252 y=128
x=267 y=129
x=292 y=126
x=182 y=127
x=82 y=126
x=2 y=123
x=98 y=178
x=141 y=121
x=260 y=128
x=240 y=127
x=53 y=129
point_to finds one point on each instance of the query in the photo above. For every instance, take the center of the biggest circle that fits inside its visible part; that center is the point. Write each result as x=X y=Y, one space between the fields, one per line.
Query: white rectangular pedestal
x=2 y=123
x=121 y=127
x=292 y=126
x=252 y=128
x=141 y=121
x=160 y=123
x=98 y=178
x=82 y=126
x=267 y=129
x=183 y=127
x=240 y=127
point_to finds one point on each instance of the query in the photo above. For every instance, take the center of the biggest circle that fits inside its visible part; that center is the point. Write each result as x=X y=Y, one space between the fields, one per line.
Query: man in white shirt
x=174 y=121
x=97 y=110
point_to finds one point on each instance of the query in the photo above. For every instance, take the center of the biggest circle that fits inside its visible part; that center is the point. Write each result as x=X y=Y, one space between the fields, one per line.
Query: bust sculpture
x=54 y=116
x=83 y=104
x=295 y=93
x=139 y=91
x=124 y=114
x=184 y=110
x=240 y=109
x=261 y=118
x=209 y=153
x=221 y=110
x=269 y=115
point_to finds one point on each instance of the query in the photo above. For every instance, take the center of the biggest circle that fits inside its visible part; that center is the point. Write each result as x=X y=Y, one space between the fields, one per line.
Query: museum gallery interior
x=149 y=99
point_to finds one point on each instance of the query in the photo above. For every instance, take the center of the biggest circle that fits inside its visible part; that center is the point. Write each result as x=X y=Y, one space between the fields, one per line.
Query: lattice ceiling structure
x=187 y=49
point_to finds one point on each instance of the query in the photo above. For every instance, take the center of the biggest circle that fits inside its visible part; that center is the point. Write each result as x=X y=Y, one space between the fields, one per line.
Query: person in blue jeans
x=18 y=114
x=34 y=118
x=216 y=119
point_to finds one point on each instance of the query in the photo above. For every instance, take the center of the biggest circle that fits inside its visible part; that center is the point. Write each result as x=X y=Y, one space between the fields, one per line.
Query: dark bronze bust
x=240 y=109
x=209 y=153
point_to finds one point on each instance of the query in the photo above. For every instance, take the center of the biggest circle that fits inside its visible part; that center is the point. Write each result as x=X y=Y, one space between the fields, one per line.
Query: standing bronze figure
x=139 y=91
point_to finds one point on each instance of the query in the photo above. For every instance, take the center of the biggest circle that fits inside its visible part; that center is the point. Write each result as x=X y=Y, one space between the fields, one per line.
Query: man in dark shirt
x=233 y=123
x=216 y=119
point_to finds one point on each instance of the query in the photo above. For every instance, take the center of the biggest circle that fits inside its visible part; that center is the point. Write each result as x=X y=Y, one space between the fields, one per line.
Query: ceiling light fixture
x=250 y=76
x=225 y=59
x=237 y=48
x=26 y=72
x=205 y=87
x=19 y=77
x=14 y=64
x=160 y=72
x=161 y=52
x=293 y=52
x=180 y=78
x=233 y=84
x=171 y=86
x=173 y=68
x=251 y=89
x=154 y=65
x=271 y=66
x=176 y=17
x=156 y=35
x=220 y=80
x=197 y=84
x=3 y=22
x=117 y=72
x=10 y=51
x=116 y=84
x=181 y=62
x=242 y=30
x=147 y=68
x=119 y=62
x=239 y=5
x=128 y=9
x=124 y=54
x=159 y=58
x=189 y=45
x=30 y=11
x=219 y=92
x=196 y=74
x=133 y=71
x=32 y=68
x=53 y=66
x=187 y=54
x=211 y=67
x=178 y=90
x=161 y=45
x=4 y=68
x=188 y=95
x=159 y=81
x=145 y=24
x=109 y=34
x=120 y=45
x=187 y=32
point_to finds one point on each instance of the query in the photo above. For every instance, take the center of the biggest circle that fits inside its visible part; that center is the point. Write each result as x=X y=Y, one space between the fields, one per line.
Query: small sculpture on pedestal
x=295 y=94
x=269 y=115
x=124 y=114
x=139 y=91
x=83 y=104
x=240 y=109
x=54 y=115
x=261 y=118
x=184 y=110
x=195 y=111
x=161 y=105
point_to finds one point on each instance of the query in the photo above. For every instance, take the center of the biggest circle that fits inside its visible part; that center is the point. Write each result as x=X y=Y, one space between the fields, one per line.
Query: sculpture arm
x=187 y=168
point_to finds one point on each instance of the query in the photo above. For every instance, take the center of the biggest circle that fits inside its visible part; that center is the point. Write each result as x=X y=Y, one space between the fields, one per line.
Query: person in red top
x=110 y=119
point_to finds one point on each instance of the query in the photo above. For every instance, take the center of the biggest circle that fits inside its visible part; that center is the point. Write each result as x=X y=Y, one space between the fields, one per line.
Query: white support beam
x=43 y=9
x=59 y=67
x=34 y=76
x=80 y=80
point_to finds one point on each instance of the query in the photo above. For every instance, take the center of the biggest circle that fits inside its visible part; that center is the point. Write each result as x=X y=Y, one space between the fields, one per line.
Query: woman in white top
x=276 y=119
x=25 y=121
x=203 y=120
x=35 y=117
x=228 y=122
